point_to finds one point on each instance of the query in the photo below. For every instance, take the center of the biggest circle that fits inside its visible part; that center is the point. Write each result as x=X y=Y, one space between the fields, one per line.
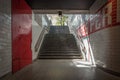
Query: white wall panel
x=5 y=37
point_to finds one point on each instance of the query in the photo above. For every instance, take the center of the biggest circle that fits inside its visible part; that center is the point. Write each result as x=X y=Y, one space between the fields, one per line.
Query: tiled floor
x=60 y=70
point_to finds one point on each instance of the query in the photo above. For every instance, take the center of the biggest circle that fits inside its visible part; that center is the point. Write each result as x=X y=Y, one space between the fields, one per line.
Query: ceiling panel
x=60 y=4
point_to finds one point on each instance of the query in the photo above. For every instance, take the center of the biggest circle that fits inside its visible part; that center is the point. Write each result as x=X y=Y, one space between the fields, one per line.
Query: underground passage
x=59 y=39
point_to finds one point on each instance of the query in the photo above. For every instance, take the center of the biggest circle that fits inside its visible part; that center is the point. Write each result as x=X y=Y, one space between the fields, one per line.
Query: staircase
x=58 y=45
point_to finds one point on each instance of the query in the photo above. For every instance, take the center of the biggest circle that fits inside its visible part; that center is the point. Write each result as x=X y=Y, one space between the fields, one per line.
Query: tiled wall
x=104 y=33
x=106 y=48
x=5 y=37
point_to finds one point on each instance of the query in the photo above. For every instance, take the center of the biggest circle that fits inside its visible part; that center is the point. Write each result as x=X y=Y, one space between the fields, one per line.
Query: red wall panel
x=21 y=34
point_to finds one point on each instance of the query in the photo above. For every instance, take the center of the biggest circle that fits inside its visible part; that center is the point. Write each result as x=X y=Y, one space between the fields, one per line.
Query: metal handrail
x=37 y=45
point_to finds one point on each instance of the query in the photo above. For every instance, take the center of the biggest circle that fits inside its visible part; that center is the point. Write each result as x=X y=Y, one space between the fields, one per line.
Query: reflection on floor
x=60 y=70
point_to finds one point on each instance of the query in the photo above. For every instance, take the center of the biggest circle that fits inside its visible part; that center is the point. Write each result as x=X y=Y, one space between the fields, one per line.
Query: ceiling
x=60 y=4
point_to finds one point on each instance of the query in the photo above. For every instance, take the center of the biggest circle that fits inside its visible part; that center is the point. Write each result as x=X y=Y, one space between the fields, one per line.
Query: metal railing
x=37 y=45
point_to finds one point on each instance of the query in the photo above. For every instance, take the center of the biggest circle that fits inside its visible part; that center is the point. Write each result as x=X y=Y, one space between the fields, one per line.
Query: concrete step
x=59 y=46
x=59 y=53
x=60 y=57
x=59 y=42
x=59 y=30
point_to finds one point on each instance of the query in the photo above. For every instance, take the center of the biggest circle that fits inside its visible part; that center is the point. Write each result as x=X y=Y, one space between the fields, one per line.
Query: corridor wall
x=104 y=33
x=5 y=37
